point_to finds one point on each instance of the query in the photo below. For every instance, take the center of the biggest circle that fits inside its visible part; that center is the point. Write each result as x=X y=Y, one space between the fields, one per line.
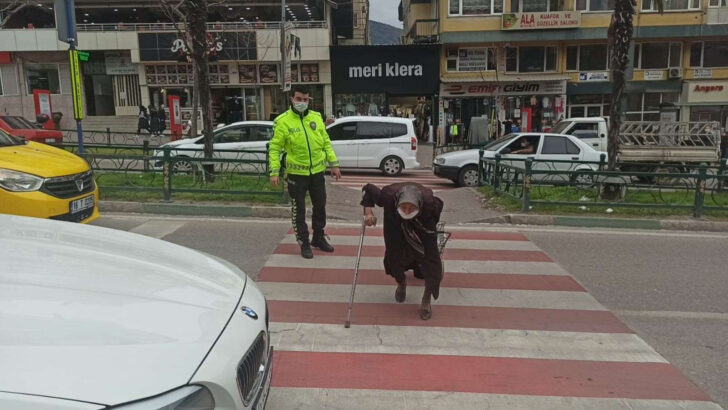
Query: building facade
x=542 y=60
x=136 y=57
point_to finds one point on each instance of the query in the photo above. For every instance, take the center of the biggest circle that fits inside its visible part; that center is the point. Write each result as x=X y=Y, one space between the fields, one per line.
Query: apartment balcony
x=424 y=32
x=219 y=26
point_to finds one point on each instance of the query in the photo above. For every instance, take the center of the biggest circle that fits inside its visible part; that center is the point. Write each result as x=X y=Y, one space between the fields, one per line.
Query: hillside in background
x=383 y=34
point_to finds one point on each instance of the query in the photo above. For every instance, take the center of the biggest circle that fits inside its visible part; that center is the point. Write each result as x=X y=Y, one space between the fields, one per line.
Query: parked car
x=385 y=143
x=243 y=136
x=102 y=317
x=46 y=182
x=20 y=127
x=462 y=166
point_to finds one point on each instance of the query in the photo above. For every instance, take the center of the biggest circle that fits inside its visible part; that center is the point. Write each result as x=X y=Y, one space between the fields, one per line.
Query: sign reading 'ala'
x=386 y=70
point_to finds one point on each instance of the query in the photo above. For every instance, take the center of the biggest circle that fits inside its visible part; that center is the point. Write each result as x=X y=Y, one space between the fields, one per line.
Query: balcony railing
x=210 y=26
x=424 y=31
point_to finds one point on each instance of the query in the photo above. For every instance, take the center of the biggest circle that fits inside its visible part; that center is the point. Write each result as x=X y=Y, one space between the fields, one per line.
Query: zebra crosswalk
x=510 y=330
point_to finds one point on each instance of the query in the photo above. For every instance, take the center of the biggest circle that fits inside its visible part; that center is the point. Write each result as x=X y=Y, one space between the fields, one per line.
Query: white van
x=384 y=143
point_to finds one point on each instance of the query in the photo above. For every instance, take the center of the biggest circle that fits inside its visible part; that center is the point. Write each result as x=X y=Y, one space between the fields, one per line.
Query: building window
x=535 y=5
x=305 y=73
x=589 y=105
x=530 y=59
x=718 y=3
x=646 y=107
x=587 y=58
x=651 y=5
x=709 y=54
x=42 y=77
x=475 y=7
x=471 y=59
x=651 y=56
x=595 y=5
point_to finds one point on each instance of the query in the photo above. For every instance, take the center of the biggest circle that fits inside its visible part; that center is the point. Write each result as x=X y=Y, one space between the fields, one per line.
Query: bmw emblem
x=249 y=312
x=313 y=125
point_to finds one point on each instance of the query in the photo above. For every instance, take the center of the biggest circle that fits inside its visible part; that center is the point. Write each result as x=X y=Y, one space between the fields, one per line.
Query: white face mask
x=407 y=216
x=301 y=107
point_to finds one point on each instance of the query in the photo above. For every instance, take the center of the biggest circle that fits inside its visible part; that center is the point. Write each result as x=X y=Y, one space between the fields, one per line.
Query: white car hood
x=105 y=316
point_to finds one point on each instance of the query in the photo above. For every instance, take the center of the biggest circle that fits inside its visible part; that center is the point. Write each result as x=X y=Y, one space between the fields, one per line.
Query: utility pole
x=283 y=44
x=66 y=26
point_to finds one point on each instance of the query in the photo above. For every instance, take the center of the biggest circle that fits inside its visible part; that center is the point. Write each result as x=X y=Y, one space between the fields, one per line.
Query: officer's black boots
x=319 y=241
x=306 y=250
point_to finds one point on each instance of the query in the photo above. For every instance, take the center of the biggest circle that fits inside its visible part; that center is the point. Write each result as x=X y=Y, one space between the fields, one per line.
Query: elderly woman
x=411 y=214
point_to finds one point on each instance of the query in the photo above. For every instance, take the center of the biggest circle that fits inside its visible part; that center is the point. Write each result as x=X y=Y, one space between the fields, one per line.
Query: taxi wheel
x=182 y=167
x=468 y=176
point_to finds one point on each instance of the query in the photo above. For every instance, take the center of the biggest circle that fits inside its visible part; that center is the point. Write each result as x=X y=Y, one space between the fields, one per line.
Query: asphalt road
x=669 y=287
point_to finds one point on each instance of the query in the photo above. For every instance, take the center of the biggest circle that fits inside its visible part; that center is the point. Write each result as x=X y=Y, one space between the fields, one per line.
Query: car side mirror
x=505 y=151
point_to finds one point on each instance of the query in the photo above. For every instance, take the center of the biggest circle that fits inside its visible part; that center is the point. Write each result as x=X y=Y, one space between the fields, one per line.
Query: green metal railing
x=170 y=171
x=531 y=182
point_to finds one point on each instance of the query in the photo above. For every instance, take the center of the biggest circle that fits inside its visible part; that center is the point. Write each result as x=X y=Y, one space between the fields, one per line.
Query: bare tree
x=8 y=8
x=620 y=41
x=189 y=18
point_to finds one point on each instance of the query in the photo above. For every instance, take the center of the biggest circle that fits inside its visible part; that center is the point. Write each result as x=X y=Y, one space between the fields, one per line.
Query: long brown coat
x=399 y=255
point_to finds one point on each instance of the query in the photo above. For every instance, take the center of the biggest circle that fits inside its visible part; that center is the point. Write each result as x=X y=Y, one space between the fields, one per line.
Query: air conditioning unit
x=675 y=73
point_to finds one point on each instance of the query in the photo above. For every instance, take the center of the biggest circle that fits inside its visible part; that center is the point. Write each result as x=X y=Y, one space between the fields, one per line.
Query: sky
x=384 y=11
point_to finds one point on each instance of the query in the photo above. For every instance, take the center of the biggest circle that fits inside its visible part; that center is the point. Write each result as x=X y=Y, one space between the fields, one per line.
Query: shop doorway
x=231 y=105
x=99 y=93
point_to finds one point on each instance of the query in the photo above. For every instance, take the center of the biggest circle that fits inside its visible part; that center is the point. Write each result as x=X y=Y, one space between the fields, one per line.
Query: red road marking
x=451 y=280
x=566 y=378
x=478 y=317
x=449 y=254
x=474 y=235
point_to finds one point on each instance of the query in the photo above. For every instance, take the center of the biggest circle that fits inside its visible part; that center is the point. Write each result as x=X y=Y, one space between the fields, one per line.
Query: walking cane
x=356 y=273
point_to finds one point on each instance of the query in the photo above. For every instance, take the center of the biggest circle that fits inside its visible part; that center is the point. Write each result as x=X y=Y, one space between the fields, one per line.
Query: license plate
x=82 y=204
x=265 y=387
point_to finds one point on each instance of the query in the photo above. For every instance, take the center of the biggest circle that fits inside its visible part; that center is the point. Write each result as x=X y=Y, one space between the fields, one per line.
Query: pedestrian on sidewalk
x=301 y=133
x=411 y=214
x=143 y=123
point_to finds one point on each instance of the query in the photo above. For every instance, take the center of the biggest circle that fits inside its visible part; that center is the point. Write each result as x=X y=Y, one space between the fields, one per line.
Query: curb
x=238 y=211
x=183 y=209
x=616 y=223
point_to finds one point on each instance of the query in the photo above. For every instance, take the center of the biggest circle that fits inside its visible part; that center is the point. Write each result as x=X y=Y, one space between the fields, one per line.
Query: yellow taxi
x=41 y=181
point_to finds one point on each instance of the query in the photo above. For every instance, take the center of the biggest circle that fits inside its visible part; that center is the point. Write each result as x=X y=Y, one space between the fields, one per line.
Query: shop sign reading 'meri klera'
x=386 y=70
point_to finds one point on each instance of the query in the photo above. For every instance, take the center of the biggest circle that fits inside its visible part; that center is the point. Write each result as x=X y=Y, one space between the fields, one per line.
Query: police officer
x=301 y=133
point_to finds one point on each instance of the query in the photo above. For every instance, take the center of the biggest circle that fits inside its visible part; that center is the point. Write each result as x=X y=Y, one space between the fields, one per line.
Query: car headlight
x=439 y=160
x=16 y=181
x=185 y=398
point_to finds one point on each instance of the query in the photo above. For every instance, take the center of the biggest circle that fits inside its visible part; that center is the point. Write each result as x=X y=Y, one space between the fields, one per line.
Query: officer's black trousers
x=298 y=186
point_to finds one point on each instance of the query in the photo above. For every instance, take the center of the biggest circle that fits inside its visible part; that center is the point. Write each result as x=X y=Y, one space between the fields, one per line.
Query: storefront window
x=717 y=113
x=587 y=58
x=541 y=107
x=589 y=105
x=530 y=59
x=475 y=7
x=360 y=104
x=709 y=54
x=595 y=5
x=646 y=107
x=42 y=77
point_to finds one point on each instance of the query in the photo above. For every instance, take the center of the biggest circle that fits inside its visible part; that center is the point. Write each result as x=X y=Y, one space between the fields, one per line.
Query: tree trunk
x=620 y=38
x=197 y=31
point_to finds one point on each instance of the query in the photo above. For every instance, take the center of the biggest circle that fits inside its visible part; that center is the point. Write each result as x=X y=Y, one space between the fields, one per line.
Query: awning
x=504 y=78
